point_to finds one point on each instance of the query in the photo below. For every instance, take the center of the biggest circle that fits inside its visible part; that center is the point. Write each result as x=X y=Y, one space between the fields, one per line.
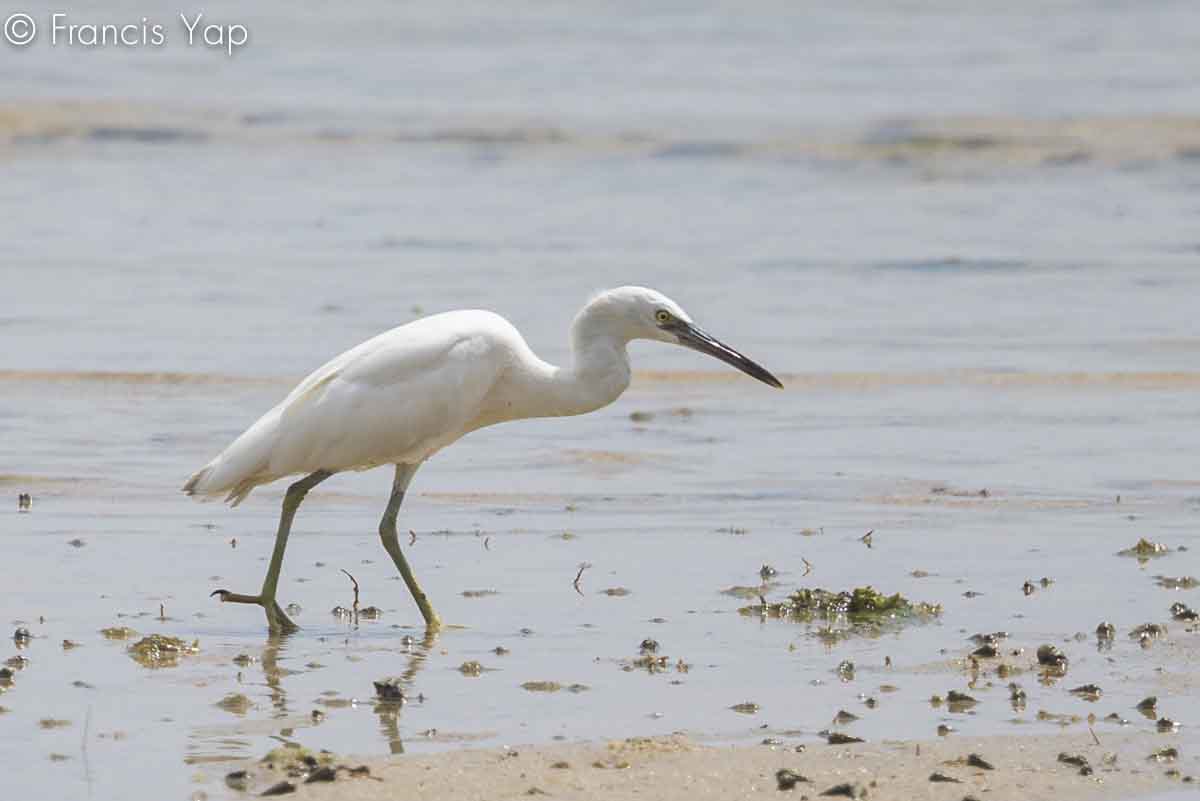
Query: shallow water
x=675 y=510
x=972 y=264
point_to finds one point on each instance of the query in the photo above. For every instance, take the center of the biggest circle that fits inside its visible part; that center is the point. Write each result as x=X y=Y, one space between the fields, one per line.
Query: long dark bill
x=697 y=339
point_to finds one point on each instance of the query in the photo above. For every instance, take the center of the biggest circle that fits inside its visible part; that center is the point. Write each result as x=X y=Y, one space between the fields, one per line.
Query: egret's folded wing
x=397 y=397
x=398 y=400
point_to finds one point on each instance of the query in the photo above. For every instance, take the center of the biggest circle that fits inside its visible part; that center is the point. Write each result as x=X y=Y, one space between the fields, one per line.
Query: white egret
x=404 y=395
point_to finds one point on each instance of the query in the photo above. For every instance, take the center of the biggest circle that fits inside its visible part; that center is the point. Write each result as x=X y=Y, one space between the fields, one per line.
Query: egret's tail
x=192 y=487
x=202 y=484
x=239 y=468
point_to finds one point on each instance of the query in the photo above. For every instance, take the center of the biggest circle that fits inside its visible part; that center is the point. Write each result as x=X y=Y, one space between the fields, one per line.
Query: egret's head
x=641 y=313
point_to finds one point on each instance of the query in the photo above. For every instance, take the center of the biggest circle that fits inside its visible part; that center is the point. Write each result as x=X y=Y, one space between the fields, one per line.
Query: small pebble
x=1181 y=611
x=847 y=790
x=1148 y=631
x=787 y=778
x=837 y=738
x=281 y=788
x=390 y=689
x=1050 y=655
x=1165 y=755
x=322 y=774
x=1078 y=761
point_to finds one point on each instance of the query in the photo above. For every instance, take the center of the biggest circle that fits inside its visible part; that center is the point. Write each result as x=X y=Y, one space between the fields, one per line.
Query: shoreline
x=678 y=767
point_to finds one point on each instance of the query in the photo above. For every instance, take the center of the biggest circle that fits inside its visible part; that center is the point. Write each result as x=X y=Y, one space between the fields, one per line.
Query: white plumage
x=396 y=398
x=400 y=397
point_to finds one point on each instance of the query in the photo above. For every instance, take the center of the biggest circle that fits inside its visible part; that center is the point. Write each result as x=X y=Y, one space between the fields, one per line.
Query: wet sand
x=679 y=768
x=1086 y=758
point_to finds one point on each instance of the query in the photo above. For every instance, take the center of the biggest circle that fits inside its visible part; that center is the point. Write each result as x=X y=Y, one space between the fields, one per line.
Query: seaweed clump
x=160 y=650
x=1177 y=583
x=862 y=607
x=1144 y=550
x=294 y=760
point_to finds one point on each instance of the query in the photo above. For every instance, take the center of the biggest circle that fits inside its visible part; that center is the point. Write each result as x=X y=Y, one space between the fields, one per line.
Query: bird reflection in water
x=415 y=651
x=389 y=711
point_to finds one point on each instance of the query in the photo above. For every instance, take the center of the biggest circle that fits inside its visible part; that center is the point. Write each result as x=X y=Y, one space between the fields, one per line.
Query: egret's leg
x=391 y=543
x=277 y=621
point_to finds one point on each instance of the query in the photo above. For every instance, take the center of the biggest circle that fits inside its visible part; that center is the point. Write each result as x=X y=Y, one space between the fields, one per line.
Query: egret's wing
x=399 y=396
x=395 y=398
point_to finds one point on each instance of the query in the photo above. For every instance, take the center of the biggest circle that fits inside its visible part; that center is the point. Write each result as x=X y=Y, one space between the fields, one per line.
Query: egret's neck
x=598 y=374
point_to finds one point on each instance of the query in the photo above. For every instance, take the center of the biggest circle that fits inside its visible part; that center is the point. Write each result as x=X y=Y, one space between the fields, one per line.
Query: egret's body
x=400 y=397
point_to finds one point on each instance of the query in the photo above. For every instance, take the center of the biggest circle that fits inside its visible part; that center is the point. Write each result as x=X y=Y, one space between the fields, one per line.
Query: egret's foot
x=277 y=621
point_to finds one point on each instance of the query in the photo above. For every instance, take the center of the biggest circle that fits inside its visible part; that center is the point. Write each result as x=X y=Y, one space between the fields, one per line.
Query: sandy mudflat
x=678 y=767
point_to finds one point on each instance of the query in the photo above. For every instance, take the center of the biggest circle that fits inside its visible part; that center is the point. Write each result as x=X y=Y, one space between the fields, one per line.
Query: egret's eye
x=662 y=316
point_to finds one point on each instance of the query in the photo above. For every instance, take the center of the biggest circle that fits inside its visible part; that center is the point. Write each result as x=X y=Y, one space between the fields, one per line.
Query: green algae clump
x=161 y=650
x=1144 y=549
x=118 y=633
x=236 y=703
x=295 y=757
x=867 y=599
x=863 y=608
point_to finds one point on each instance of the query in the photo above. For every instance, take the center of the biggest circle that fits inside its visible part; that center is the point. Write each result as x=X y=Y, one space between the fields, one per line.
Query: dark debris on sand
x=787 y=779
